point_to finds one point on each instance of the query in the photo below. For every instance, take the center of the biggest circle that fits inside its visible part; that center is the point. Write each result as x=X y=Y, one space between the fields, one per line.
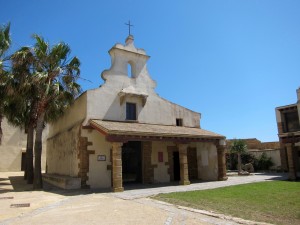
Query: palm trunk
x=25 y=171
x=239 y=162
x=1 y=117
x=38 y=182
x=29 y=155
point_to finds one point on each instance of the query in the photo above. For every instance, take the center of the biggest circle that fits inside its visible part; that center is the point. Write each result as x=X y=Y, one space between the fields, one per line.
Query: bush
x=247 y=158
x=263 y=162
x=231 y=160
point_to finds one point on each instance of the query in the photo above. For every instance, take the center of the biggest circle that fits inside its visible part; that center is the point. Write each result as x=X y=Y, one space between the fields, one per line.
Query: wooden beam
x=98 y=129
x=180 y=140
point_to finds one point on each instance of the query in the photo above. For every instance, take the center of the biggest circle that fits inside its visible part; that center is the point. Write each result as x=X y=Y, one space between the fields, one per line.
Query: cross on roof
x=129 y=25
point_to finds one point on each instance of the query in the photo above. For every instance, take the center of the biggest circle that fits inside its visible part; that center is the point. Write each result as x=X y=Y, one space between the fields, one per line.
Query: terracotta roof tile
x=124 y=128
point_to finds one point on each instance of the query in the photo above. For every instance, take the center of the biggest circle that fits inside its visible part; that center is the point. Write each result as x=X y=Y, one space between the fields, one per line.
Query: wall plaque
x=101 y=157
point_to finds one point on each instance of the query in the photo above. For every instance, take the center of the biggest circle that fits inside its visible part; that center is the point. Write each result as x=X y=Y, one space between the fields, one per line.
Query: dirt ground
x=57 y=206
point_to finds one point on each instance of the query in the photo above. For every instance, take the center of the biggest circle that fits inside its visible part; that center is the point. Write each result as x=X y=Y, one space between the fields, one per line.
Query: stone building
x=13 y=148
x=288 y=125
x=124 y=132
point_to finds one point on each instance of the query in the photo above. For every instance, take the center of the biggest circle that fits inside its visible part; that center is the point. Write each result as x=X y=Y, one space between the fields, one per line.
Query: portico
x=118 y=133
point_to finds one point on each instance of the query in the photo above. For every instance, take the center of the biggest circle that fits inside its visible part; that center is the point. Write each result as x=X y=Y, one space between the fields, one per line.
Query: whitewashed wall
x=273 y=153
x=13 y=144
x=99 y=175
x=161 y=172
x=207 y=161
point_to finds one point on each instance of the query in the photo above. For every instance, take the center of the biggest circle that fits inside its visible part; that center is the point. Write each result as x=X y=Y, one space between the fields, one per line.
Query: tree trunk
x=29 y=155
x=1 y=117
x=25 y=171
x=38 y=182
x=239 y=162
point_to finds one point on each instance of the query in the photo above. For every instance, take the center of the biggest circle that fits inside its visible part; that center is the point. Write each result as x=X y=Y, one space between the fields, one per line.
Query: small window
x=130 y=111
x=291 y=121
x=179 y=122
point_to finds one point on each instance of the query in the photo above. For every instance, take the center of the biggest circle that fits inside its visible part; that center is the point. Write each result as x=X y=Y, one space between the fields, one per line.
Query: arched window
x=129 y=70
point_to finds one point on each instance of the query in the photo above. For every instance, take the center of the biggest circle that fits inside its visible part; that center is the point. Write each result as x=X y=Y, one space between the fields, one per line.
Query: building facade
x=124 y=132
x=288 y=124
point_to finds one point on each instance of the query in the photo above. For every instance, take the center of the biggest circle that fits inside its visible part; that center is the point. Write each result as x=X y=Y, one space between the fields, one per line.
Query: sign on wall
x=101 y=157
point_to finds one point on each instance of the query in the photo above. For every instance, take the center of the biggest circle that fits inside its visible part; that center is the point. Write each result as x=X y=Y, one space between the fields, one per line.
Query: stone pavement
x=56 y=206
x=233 y=180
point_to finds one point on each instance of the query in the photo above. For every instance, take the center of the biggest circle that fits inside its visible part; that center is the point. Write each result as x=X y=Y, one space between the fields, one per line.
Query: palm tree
x=55 y=79
x=45 y=78
x=238 y=146
x=20 y=107
x=5 y=42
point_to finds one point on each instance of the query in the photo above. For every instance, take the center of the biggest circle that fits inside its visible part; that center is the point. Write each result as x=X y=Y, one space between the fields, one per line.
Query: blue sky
x=233 y=61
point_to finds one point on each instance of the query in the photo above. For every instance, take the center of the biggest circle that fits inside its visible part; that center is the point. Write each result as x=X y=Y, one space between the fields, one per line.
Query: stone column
x=184 y=167
x=221 y=162
x=291 y=162
x=117 y=181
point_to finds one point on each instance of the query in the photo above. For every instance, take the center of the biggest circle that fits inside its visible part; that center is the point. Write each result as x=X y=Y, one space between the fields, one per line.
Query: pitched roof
x=142 y=129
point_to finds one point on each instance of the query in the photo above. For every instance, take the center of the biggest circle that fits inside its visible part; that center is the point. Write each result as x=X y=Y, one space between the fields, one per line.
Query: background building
x=289 y=136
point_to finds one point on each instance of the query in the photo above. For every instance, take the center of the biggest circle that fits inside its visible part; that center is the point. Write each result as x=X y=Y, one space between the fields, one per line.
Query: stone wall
x=253 y=143
x=270 y=145
x=62 y=152
x=207 y=160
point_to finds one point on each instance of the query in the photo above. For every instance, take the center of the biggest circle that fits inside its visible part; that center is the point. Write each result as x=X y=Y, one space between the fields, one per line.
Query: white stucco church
x=123 y=132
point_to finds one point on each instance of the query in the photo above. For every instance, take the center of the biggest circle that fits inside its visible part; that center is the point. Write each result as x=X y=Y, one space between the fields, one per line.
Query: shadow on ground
x=18 y=184
x=277 y=176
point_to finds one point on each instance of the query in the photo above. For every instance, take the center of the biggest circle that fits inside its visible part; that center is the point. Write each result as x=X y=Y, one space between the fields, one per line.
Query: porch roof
x=152 y=130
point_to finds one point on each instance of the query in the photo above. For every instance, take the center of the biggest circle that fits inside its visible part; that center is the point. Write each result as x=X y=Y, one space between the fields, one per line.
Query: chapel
x=123 y=132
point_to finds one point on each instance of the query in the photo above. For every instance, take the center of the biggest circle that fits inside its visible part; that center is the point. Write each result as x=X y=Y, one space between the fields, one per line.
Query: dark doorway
x=23 y=161
x=297 y=158
x=176 y=166
x=132 y=162
x=192 y=163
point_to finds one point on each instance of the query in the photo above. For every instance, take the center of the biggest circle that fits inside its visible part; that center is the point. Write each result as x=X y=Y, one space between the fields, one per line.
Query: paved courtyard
x=56 y=206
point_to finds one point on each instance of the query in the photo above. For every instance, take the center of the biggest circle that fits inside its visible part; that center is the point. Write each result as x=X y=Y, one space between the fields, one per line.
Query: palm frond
x=5 y=39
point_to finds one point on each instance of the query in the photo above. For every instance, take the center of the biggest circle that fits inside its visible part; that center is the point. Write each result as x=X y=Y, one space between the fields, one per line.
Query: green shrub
x=263 y=162
x=247 y=158
x=231 y=160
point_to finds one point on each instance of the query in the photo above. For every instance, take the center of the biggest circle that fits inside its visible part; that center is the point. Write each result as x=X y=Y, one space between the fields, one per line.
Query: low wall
x=64 y=182
x=273 y=153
